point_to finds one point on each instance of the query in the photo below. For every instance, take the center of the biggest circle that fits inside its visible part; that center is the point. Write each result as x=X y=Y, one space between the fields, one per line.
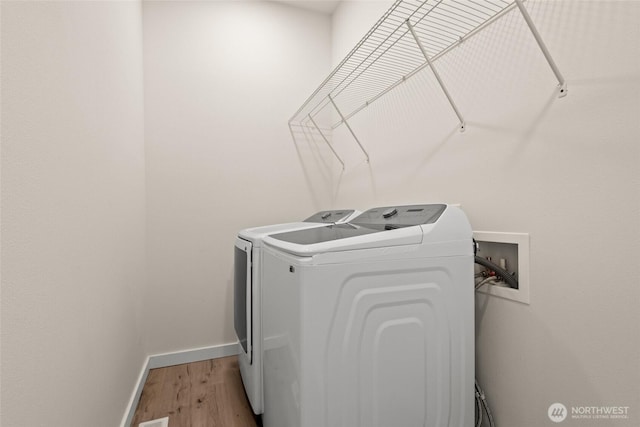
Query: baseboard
x=193 y=355
x=170 y=359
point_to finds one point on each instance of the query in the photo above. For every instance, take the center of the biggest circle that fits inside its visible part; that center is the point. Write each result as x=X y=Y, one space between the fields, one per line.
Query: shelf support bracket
x=562 y=84
x=348 y=127
x=326 y=140
x=435 y=73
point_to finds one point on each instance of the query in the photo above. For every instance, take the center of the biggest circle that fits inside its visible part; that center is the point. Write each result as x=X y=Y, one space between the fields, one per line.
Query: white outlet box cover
x=522 y=240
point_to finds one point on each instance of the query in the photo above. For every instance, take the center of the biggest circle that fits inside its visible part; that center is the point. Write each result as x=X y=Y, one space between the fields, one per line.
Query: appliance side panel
x=251 y=369
x=242 y=294
x=281 y=341
x=390 y=345
x=461 y=312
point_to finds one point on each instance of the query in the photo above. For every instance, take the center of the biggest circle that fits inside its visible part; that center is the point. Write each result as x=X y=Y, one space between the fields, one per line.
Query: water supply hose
x=506 y=276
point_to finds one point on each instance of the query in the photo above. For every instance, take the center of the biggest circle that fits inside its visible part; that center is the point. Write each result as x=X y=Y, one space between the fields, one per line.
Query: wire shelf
x=388 y=54
x=410 y=36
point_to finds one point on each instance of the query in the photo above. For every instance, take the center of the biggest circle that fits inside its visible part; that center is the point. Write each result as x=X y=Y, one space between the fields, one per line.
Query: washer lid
x=323 y=234
x=319 y=219
x=377 y=227
x=257 y=234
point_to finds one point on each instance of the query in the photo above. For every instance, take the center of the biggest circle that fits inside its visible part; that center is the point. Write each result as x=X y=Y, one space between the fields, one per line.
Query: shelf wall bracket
x=436 y=74
x=344 y=120
x=562 y=84
x=326 y=140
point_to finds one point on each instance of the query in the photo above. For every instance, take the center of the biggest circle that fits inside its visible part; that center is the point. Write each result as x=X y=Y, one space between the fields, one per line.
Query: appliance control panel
x=391 y=217
x=330 y=217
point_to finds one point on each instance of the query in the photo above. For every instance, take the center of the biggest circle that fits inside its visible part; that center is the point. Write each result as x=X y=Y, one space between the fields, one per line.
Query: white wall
x=221 y=81
x=73 y=211
x=564 y=170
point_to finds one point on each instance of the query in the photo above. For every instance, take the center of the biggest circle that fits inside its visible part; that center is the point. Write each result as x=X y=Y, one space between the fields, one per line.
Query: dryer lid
x=392 y=217
x=383 y=226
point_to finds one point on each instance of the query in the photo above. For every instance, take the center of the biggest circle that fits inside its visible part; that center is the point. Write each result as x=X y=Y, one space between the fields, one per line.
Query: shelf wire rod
x=423 y=5
x=433 y=26
x=398 y=19
x=426 y=12
x=389 y=47
x=436 y=33
x=368 y=102
x=404 y=49
x=366 y=84
x=356 y=73
x=318 y=108
x=408 y=9
x=440 y=16
x=369 y=86
x=394 y=19
x=434 y=37
x=395 y=60
x=386 y=25
x=387 y=14
x=483 y=7
x=375 y=49
x=380 y=38
x=398 y=50
x=364 y=68
x=435 y=43
x=365 y=50
x=326 y=140
x=460 y=18
x=393 y=22
x=480 y=10
x=306 y=131
x=330 y=76
x=561 y=81
x=468 y=10
x=398 y=38
x=437 y=75
x=492 y=3
x=412 y=51
x=389 y=69
x=443 y=34
x=372 y=31
x=389 y=73
x=487 y=4
x=409 y=6
x=349 y=127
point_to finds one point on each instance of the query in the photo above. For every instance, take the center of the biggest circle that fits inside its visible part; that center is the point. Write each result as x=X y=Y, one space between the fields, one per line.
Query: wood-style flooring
x=200 y=394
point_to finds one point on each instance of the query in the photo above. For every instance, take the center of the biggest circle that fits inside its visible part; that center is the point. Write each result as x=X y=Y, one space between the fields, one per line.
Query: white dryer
x=247 y=301
x=371 y=323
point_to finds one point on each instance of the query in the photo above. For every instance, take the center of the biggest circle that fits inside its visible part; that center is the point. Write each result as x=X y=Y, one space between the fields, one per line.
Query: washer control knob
x=389 y=213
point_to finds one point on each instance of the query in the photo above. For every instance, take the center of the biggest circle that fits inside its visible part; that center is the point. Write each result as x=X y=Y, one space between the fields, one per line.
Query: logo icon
x=557 y=412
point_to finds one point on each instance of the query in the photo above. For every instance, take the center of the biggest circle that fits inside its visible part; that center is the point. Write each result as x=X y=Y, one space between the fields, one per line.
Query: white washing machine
x=247 y=313
x=371 y=323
